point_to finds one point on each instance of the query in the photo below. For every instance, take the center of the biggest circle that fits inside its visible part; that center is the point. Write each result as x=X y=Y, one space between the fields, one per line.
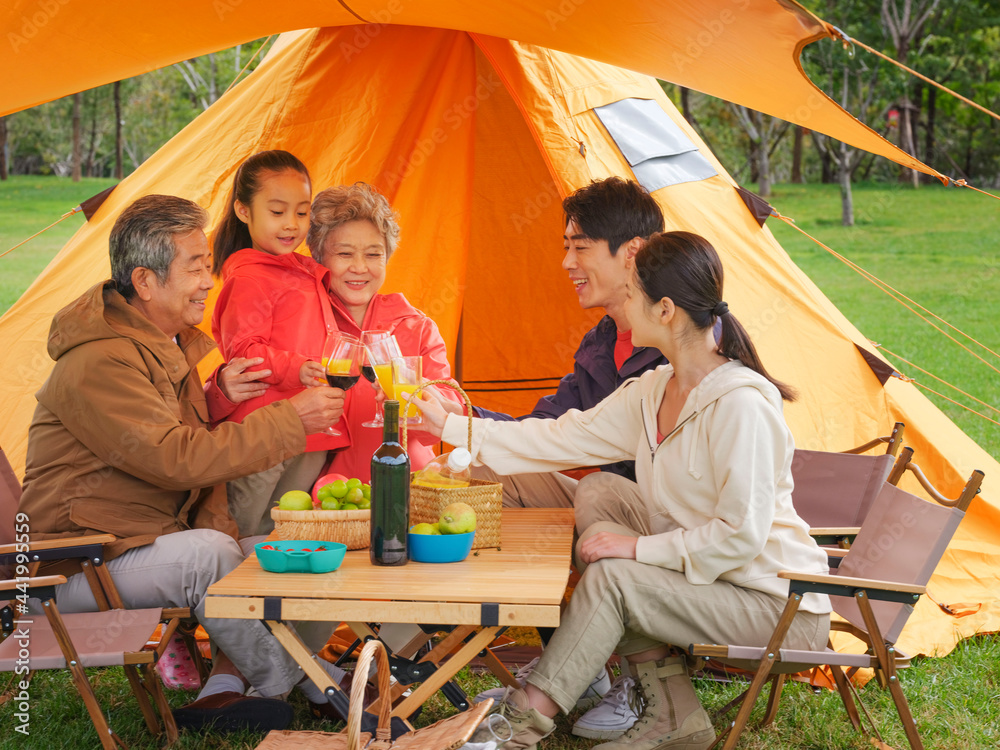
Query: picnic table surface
x=522 y=583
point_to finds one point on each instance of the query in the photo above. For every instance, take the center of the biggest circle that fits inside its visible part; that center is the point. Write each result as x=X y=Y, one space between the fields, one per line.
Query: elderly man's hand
x=237 y=384
x=318 y=408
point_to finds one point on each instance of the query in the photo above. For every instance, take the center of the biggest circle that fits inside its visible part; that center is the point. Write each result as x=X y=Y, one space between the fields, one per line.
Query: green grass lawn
x=938 y=246
x=28 y=204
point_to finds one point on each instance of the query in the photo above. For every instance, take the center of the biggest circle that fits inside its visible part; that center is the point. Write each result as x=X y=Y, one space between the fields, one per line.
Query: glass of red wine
x=343 y=355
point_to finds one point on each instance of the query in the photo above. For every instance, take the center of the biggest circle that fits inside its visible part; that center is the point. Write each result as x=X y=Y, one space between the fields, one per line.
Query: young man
x=606 y=223
x=120 y=444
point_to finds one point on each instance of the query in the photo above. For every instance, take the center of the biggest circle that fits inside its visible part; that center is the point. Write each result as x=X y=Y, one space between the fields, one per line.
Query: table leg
x=446 y=671
x=290 y=640
x=499 y=670
x=435 y=655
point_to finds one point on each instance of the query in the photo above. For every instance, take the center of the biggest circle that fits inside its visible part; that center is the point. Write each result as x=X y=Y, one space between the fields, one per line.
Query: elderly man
x=120 y=444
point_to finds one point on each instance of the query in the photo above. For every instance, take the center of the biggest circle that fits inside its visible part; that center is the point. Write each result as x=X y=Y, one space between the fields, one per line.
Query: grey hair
x=358 y=202
x=143 y=237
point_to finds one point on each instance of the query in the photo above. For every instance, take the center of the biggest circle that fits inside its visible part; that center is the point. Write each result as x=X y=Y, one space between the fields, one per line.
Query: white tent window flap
x=658 y=151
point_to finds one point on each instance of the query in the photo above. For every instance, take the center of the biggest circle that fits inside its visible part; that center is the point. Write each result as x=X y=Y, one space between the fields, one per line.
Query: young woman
x=690 y=552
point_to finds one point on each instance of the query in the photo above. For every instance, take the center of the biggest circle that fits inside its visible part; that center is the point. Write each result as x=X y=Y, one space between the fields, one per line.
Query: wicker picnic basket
x=447 y=734
x=485 y=498
x=350 y=527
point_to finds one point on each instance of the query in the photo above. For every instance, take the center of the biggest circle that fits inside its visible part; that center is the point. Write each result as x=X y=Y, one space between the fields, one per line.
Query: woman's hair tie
x=720 y=309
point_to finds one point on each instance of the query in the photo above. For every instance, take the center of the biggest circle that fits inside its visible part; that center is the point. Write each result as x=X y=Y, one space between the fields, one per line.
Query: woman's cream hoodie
x=718 y=489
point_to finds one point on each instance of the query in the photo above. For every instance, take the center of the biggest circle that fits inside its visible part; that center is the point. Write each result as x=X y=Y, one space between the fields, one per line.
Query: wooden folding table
x=521 y=584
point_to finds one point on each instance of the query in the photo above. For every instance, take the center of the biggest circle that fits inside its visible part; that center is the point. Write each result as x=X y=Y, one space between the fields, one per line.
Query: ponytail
x=687 y=269
x=233 y=234
x=736 y=344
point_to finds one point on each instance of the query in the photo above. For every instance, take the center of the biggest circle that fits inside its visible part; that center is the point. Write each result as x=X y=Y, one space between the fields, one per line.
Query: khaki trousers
x=175 y=571
x=551 y=490
x=630 y=607
x=252 y=497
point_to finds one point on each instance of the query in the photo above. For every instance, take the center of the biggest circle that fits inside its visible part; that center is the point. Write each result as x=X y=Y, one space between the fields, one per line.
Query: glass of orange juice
x=406 y=377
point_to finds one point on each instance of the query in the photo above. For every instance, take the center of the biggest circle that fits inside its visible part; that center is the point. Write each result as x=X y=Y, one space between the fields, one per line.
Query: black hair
x=687 y=269
x=232 y=234
x=615 y=210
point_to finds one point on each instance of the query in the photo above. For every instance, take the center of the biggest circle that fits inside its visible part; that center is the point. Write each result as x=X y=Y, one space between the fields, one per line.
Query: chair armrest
x=10 y=584
x=834 y=531
x=68 y=542
x=855 y=583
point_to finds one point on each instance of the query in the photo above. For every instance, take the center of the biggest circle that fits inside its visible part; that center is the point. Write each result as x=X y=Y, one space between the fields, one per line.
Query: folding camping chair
x=900 y=543
x=834 y=491
x=113 y=636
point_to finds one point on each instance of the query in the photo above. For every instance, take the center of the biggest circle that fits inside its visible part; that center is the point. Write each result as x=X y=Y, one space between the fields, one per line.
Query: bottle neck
x=390 y=431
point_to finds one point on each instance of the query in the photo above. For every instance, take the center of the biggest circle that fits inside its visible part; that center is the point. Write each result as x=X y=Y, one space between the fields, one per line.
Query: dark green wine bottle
x=390 y=494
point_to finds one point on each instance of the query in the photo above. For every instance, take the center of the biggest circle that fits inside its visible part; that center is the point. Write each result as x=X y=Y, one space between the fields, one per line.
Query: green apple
x=457 y=518
x=295 y=500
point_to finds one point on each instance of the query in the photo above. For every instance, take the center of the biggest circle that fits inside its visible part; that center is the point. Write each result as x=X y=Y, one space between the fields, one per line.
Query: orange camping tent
x=475 y=139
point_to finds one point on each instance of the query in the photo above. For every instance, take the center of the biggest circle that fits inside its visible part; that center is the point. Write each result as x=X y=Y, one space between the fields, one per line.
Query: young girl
x=273 y=304
x=690 y=553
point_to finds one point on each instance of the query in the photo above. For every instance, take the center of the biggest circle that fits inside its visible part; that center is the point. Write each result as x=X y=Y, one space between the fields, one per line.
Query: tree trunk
x=4 y=168
x=846 y=196
x=764 y=171
x=797 y=156
x=92 y=148
x=906 y=127
x=77 y=137
x=119 y=174
x=929 y=145
x=686 y=104
x=826 y=165
x=213 y=76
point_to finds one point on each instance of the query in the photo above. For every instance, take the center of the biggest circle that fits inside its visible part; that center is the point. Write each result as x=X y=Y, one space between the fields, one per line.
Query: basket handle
x=383 y=733
x=452 y=384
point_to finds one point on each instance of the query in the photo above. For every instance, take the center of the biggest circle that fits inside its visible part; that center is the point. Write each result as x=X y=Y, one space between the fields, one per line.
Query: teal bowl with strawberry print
x=295 y=556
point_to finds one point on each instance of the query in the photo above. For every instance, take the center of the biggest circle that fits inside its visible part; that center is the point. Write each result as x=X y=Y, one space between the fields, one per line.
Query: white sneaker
x=600 y=685
x=613 y=716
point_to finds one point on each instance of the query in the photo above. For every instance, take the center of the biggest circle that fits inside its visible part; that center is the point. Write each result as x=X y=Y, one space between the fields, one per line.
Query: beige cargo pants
x=630 y=607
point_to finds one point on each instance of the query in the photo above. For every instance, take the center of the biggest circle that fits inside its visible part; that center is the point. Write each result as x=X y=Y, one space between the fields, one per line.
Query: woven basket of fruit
x=485 y=499
x=338 y=511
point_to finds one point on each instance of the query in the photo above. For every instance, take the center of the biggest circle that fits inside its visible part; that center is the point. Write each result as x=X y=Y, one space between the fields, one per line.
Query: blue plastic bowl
x=300 y=556
x=443 y=548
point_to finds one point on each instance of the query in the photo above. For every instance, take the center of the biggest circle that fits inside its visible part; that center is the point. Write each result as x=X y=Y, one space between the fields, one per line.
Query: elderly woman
x=354 y=231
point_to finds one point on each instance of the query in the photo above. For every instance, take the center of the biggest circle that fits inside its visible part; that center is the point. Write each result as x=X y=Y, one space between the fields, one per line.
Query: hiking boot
x=231 y=712
x=527 y=726
x=614 y=715
x=672 y=717
x=597 y=688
